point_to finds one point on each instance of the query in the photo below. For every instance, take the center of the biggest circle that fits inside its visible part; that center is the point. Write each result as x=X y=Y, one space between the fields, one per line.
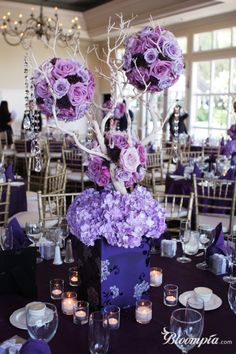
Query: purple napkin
x=19 y=238
x=197 y=171
x=9 y=172
x=233 y=159
x=179 y=170
x=218 y=245
x=230 y=174
x=35 y=346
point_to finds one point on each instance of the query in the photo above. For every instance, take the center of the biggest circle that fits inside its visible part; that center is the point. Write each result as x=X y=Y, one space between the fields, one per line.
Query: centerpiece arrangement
x=114 y=221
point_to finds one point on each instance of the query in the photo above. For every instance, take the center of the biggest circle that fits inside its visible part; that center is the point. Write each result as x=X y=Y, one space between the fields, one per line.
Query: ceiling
x=74 y=5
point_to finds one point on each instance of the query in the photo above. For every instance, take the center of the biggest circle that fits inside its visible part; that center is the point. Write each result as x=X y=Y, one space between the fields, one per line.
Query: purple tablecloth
x=132 y=338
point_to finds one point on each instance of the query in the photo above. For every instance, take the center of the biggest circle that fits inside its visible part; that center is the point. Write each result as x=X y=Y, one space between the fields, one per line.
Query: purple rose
x=151 y=55
x=122 y=175
x=66 y=114
x=129 y=159
x=77 y=94
x=161 y=69
x=45 y=109
x=104 y=177
x=61 y=87
x=172 y=49
x=83 y=73
x=178 y=67
x=142 y=153
x=81 y=109
x=94 y=167
x=165 y=83
x=64 y=67
x=42 y=89
x=90 y=87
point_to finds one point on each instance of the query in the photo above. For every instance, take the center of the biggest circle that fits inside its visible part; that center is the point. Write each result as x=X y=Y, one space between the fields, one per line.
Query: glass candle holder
x=112 y=314
x=143 y=312
x=81 y=313
x=170 y=295
x=155 y=276
x=68 y=301
x=56 y=288
x=73 y=276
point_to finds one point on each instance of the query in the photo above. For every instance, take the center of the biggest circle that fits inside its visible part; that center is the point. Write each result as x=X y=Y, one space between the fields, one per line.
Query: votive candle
x=56 y=288
x=143 y=312
x=69 y=300
x=155 y=276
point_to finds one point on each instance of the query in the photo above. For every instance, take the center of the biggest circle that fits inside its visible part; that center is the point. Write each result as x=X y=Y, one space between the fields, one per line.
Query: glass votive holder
x=81 y=312
x=56 y=288
x=68 y=301
x=73 y=276
x=155 y=276
x=170 y=295
x=143 y=312
x=112 y=314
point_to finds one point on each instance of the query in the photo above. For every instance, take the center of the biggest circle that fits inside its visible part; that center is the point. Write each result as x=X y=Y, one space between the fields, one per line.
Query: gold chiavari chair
x=53 y=207
x=154 y=171
x=215 y=202
x=186 y=156
x=177 y=208
x=76 y=176
x=5 y=193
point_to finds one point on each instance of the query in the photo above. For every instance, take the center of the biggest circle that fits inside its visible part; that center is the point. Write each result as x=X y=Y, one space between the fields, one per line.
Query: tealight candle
x=73 y=276
x=81 y=312
x=69 y=300
x=56 y=288
x=112 y=315
x=143 y=312
x=170 y=295
x=155 y=276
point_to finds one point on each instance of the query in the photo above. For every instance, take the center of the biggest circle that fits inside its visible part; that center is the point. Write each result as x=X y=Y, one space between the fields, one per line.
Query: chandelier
x=41 y=27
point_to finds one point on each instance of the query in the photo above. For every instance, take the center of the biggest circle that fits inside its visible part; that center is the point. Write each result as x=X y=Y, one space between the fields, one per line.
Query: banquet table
x=132 y=338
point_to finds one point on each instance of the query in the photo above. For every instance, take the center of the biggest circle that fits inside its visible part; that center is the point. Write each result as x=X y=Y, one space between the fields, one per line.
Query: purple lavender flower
x=122 y=219
x=61 y=87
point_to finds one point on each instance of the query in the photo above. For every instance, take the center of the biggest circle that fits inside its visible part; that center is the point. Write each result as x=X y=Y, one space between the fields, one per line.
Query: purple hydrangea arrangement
x=129 y=160
x=152 y=59
x=121 y=219
x=72 y=86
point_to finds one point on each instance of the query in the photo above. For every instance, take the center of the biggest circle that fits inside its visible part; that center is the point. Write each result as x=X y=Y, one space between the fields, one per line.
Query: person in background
x=182 y=116
x=6 y=121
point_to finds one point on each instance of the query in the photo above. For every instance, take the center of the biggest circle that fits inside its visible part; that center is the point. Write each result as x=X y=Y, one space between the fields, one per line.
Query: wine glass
x=232 y=296
x=206 y=239
x=41 y=320
x=187 y=325
x=231 y=258
x=98 y=333
x=64 y=233
x=34 y=234
x=6 y=238
x=184 y=235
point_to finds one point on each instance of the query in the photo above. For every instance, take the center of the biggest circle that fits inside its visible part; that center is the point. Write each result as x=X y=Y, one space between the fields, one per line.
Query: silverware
x=199 y=254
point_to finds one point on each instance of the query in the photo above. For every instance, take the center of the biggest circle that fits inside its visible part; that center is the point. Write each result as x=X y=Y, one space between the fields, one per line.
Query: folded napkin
x=230 y=174
x=218 y=245
x=35 y=346
x=9 y=172
x=233 y=159
x=19 y=238
x=197 y=171
x=179 y=170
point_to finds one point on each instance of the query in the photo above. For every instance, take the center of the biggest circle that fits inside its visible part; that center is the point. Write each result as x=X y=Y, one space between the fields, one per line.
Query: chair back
x=57 y=182
x=53 y=207
x=73 y=159
x=5 y=192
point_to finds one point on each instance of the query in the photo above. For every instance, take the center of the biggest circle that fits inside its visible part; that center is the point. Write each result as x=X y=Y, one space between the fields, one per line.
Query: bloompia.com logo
x=173 y=338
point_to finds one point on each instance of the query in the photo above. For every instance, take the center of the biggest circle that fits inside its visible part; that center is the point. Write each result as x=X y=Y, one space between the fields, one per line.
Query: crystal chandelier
x=41 y=27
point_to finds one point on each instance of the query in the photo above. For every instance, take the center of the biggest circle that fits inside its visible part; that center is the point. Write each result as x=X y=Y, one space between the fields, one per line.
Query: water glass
x=171 y=295
x=6 y=240
x=232 y=296
x=195 y=302
x=187 y=324
x=231 y=258
x=192 y=246
x=41 y=320
x=206 y=239
x=98 y=333
x=184 y=235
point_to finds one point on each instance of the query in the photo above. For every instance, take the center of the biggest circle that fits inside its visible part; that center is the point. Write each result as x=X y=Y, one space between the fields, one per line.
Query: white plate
x=17 y=184
x=212 y=304
x=177 y=177
x=17 y=318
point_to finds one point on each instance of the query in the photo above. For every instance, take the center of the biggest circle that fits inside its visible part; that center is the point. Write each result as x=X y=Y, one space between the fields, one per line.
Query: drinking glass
x=184 y=235
x=231 y=258
x=206 y=239
x=6 y=240
x=192 y=246
x=42 y=324
x=232 y=296
x=98 y=333
x=187 y=325
x=34 y=234
x=195 y=302
x=64 y=233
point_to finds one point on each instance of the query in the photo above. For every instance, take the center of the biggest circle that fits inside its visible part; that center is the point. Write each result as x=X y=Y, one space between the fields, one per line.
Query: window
x=183 y=44
x=214 y=86
x=218 y=39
